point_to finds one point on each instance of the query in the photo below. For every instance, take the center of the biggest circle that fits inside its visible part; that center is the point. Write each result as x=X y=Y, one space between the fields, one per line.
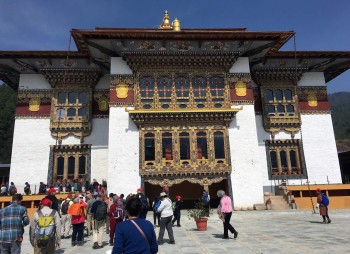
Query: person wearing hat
x=145 y=203
x=322 y=206
x=51 y=196
x=45 y=211
x=177 y=206
x=166 y=214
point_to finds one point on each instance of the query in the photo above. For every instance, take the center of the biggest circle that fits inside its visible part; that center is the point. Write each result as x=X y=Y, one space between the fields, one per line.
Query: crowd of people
x=91 y=213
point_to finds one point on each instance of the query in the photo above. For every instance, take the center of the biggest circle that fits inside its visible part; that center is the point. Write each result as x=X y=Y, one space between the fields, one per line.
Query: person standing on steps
x=323 y=202
x=225 y=213
x=166 y=213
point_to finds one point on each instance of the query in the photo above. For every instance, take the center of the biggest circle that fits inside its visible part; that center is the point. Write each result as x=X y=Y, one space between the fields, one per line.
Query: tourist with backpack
x=89 y=219
x=66 y=219
x=13 y=219
x=156 y=216
x=45 y=229
x=116 y=215
x=323 y=202
x=145 y=203
x=206 y=201
x=99 y=213
x=78 y=212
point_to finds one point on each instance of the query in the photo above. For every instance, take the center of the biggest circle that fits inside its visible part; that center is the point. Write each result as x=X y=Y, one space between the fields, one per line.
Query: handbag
x=141 y=231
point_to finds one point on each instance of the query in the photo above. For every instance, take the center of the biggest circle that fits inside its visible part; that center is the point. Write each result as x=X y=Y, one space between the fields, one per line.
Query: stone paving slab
x=259 y=232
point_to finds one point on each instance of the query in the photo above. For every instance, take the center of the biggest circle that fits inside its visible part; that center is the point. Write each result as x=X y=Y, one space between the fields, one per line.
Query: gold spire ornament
x=176 y=25
x=166 y=22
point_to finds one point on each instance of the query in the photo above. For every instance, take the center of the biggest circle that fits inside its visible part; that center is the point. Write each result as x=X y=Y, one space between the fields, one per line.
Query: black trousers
x=177 y=216
x=227 y=225
x=78 y=230
x=156 y=217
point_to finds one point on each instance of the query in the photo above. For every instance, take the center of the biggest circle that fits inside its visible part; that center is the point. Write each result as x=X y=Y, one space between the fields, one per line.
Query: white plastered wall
x=246 y=161
x=30 y=152
x=319 y=145
x=32 y=139
x=123 y=154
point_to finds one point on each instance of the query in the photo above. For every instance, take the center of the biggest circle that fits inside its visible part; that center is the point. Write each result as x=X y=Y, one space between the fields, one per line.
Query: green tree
x=7 y=119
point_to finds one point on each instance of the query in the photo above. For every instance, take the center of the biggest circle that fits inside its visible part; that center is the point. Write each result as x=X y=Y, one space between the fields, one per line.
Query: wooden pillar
x=279 y=165
x=76 y=166
x=289 y=166
x=65 y=169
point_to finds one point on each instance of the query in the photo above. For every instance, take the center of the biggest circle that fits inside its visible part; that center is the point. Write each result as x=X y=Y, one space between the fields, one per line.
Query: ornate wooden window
x=285 y=159
x=70 y=161
x=181 y=91
x=184 y=149
x=280 y=108
x=71 y=112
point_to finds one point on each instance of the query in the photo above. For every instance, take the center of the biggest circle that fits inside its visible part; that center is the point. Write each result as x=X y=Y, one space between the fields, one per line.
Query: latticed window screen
x=70 y=161
x=182 y=92
x=285 y=157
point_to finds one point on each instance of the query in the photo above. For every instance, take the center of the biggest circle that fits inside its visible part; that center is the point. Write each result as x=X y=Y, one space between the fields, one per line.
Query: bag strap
x=141 y=231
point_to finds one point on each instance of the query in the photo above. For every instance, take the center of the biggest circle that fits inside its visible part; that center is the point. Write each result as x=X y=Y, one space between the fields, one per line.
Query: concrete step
x=259 y=207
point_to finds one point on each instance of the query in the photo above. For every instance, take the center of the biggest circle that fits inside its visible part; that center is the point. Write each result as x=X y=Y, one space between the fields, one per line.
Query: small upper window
x=279 y=95
x=288 y=95
x=62 y=98
x=82 y=98
x=269 y=95
x=72 y=98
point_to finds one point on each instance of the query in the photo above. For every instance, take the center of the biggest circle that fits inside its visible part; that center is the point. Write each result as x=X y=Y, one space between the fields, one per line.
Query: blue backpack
x=156 y=205
x=325 y=199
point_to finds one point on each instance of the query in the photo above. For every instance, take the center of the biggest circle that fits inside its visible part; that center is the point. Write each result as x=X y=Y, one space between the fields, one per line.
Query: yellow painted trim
x=133 y=111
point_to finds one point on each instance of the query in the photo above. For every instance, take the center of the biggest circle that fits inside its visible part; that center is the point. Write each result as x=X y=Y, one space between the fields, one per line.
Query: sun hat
x=139 y=190
x=51 y=190
x=46 y=202
x=163 y=194
x=178 y=196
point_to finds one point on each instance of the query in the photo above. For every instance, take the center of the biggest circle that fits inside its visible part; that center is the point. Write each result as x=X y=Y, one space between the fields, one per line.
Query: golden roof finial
x=176 y=25
x=166 y=21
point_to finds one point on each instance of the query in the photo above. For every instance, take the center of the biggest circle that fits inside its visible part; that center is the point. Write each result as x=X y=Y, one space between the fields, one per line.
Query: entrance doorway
x=190 y=192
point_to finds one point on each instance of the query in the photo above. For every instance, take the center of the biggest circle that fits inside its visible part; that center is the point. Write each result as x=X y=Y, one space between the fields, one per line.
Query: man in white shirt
x=166 y=214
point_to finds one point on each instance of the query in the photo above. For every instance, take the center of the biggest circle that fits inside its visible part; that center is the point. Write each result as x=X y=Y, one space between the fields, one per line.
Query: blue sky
x=45 y=25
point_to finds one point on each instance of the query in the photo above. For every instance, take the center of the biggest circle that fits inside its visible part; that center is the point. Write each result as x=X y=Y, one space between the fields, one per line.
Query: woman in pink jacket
x=225 y=212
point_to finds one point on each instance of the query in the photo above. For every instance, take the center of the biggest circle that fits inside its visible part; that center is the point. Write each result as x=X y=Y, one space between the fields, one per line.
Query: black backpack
x=101 y=212
x=144 y=201
x=64 y=207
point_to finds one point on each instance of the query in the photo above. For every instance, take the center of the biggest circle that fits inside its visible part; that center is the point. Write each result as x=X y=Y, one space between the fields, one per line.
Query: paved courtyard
x=259 y=232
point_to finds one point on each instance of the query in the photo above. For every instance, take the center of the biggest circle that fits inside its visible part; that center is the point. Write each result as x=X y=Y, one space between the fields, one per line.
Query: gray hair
x=220 y=193
x=76 y=200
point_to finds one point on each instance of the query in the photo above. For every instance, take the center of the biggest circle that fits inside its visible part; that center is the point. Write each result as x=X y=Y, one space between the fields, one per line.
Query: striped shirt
x=12 y=220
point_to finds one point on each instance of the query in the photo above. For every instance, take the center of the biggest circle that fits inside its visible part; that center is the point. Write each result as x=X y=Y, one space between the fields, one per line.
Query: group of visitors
x=8 y=189
x=124 y=220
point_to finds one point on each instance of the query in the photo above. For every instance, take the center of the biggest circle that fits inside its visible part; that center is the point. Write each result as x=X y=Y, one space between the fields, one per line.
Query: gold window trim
x=277 y=122
x=79 y=126
x=204 y=166
x=177 y=102
x=66 y=151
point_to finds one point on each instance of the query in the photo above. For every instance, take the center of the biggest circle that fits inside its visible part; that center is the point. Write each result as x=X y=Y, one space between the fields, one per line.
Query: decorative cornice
x=315 y=112
x=224 y=116
x=164 y=60
x=63 y=77
x=199 y=179
x=263 y=75
x=17 y=116
x=34 y=93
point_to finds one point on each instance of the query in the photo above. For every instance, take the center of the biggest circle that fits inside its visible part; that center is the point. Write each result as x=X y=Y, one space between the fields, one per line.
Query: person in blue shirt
x=135 y=235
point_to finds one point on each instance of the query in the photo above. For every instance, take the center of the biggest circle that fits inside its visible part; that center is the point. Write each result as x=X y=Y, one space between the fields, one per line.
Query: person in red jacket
x=78 y=212
x=116 y=214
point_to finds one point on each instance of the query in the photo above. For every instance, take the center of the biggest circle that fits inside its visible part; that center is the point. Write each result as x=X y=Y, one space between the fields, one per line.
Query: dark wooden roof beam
x=103 y=50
